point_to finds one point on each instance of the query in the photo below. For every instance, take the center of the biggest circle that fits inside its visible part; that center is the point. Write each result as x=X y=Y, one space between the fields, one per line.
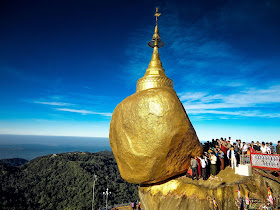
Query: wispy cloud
x=84 y=112
x=236 y=113
x=245 y=98
x=78 y=103
x=53 y=103
x=231 y=104
x=230 y=84
x=189 y=96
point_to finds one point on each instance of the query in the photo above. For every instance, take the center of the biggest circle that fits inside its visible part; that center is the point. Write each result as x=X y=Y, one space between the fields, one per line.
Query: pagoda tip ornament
x=155 y=75
x=156 y=40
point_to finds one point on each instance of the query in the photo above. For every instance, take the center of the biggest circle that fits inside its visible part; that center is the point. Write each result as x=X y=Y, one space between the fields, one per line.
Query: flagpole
x=94 y=180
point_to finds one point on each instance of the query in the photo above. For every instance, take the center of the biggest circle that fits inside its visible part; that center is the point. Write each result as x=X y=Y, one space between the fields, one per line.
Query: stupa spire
x=156 y=40
x=155 y=75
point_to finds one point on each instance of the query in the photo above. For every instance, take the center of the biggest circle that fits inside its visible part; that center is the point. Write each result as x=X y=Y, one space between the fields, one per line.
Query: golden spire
x=155 y=76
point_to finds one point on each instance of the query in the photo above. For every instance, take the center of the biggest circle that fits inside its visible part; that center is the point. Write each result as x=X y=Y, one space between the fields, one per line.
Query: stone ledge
x=185 y=193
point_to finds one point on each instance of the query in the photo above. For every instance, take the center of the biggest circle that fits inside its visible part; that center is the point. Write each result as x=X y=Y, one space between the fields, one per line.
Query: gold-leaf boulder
x=152 y=137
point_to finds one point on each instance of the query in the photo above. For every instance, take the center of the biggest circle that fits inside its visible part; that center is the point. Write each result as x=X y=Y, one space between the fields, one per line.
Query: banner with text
x=265 y=161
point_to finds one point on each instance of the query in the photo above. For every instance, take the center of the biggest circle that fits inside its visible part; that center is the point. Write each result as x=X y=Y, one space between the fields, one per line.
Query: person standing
x=272 y=148
x=244 y=148
x=208 y=163
x=228 y=156
x=224 y=149
x=194 y=168
x=213 y=166
x=217 y=152
x=203 y=168
x=228 y=145
x=198 y=166
x=278 y=148
x=237 y=153
x=252 y=144
x=232 y=157
x=230 y=141
x=239 y=144
x=268 y=150
x=263 y=148
x=222 y=159
x=257 y=147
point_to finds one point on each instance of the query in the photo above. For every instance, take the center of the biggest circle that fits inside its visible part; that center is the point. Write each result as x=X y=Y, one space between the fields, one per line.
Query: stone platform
x=244 y=170
x=185 y=193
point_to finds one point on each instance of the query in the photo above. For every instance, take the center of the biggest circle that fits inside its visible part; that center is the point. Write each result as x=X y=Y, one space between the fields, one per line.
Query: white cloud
x=246 y=98
x=256 y=96
x=230 y=84
x=204 y=103
x=84 y=112
x=236 y=113
x=191 y=96
x=53 y=103
x=200 y=106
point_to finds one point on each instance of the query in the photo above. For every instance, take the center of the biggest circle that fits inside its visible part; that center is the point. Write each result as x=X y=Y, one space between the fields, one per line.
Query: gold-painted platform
x=184 y=193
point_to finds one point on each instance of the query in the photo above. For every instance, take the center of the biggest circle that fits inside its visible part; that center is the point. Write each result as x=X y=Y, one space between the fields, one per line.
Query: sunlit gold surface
x=151 y=135
x=155 y=76
x=188 y=187
x=157 y=14
x=184 y=193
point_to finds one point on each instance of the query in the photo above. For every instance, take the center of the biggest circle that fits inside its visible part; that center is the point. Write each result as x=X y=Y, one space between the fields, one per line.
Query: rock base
x=185 y=193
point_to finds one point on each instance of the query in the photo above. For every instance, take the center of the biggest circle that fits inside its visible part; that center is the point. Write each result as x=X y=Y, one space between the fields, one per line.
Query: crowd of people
x=223 y=152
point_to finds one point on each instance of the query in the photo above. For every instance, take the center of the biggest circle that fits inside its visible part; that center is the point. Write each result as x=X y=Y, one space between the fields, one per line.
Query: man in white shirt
x=268 y=150
x=230 y=141
x=231 y=157
x=203 y=167
x=244 y=148
x=263 y=148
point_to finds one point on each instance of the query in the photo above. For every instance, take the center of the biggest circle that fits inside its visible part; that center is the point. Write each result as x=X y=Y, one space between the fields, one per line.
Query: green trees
x=64 y=181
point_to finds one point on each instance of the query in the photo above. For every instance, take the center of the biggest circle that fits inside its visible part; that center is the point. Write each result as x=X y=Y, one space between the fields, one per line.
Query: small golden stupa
x=155 y=75
x=151 y=135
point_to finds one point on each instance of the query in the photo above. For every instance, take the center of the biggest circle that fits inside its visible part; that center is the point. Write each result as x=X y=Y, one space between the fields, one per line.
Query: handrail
x=245 y=159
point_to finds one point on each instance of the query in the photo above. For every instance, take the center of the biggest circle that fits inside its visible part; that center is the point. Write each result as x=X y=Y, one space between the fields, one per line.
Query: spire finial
x=157 y=14
x=155 y=76
x=156 y=41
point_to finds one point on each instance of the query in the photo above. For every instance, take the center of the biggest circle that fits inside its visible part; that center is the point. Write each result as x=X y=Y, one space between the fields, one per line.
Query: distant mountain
x=13 y=161
x=63 y=181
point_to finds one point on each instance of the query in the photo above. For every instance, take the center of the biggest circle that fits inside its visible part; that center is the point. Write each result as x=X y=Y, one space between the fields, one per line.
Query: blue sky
x=65 y=65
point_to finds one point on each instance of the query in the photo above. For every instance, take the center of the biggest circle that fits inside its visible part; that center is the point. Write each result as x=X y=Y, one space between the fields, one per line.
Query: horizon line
x=52 y=135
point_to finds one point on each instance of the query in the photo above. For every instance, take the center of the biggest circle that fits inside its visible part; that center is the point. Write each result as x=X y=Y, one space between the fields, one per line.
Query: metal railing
x=245 y=159
x=259 y=160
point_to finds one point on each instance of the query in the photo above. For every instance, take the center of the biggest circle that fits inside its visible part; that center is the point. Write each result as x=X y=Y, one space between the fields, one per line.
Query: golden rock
x=151 y=135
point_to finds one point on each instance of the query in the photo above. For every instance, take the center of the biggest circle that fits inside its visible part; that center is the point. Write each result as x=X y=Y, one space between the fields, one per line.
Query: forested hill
x=13 y=161
x=63 y=181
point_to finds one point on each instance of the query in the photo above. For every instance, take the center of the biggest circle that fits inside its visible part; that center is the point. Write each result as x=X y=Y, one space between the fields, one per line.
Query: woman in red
x=199 y=166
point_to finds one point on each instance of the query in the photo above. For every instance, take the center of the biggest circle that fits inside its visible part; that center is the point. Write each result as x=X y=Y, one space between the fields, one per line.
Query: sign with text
x=265 y=161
